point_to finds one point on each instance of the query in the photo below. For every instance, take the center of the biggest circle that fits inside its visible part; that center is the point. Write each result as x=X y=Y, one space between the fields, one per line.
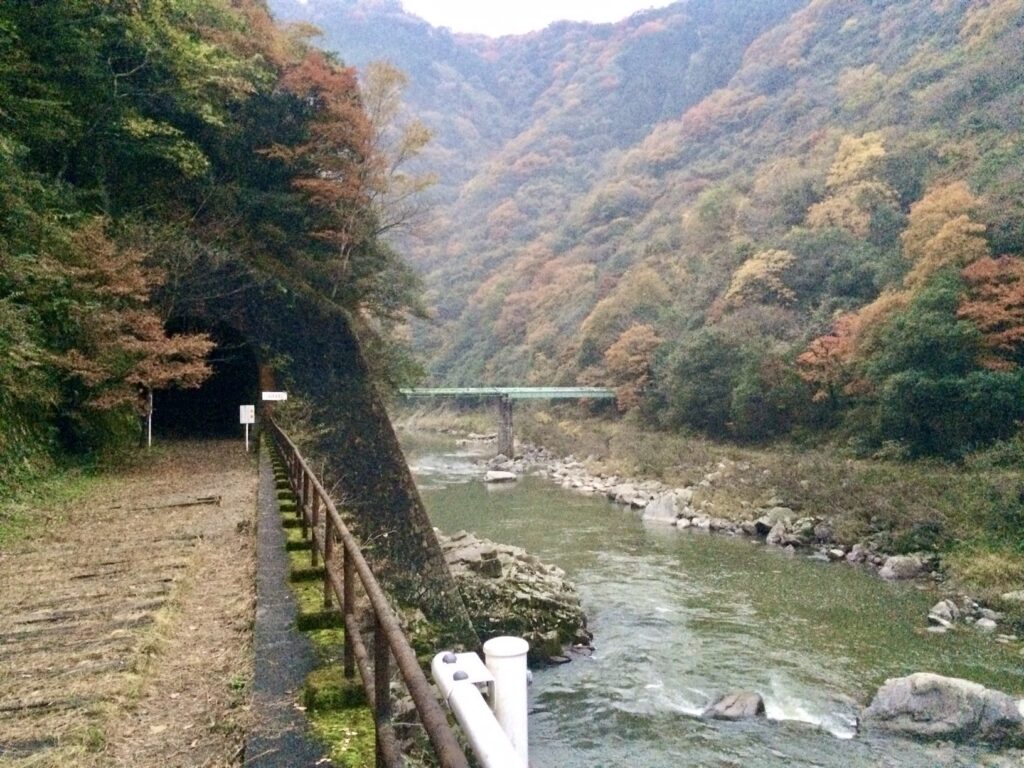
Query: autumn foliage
x=122 y=351
x=159 y=161
x=629 y=363
x=994 y=302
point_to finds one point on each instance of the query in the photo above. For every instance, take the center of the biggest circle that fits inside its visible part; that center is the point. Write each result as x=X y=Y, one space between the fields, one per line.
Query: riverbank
x=958 y=526
x=682 y=618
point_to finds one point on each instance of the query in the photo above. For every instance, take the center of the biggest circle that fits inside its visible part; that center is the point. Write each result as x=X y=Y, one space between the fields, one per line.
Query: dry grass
x=126 y=630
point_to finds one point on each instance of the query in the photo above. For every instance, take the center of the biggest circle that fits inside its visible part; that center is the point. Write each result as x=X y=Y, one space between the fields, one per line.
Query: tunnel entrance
x=212 y=409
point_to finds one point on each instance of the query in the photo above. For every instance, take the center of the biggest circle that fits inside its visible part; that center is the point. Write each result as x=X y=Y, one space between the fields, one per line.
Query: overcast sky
x=514 y=17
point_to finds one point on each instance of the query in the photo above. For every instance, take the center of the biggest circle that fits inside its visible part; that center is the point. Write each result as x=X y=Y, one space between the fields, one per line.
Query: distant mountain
x=552 y=109
x=733 y=170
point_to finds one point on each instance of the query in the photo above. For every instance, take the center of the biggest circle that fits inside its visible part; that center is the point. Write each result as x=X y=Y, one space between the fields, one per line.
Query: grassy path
x=125 y=624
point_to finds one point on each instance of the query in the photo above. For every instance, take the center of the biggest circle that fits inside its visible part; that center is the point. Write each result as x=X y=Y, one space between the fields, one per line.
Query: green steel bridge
x=504 y=396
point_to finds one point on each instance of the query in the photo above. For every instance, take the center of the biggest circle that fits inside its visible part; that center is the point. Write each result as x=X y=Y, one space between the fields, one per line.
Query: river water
x=682 y=616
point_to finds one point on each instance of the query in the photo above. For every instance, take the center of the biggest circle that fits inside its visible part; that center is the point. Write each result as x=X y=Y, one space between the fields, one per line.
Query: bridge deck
x=512 y=393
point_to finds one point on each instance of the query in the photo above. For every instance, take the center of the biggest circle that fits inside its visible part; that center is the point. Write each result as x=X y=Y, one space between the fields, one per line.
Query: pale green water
x=681 y=616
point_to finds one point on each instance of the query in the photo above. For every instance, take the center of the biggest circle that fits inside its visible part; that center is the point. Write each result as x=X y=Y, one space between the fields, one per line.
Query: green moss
x=301 y=572
x=336 y=707
x=299 y=561
x=327 y=689
x=312 y=620
x=348 y=733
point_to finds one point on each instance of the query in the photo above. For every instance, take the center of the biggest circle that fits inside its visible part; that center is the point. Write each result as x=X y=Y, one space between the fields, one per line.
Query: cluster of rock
x=776 y=522
x=473 y=437
x=921 y=706
x=508 y=591
x=947 y=613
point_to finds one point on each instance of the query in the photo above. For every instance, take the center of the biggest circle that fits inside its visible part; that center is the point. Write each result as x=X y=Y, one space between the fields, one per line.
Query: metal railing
x=315 y=509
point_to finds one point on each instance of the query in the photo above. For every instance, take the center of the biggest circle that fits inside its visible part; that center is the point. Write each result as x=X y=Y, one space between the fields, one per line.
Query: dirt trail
x=125 y=629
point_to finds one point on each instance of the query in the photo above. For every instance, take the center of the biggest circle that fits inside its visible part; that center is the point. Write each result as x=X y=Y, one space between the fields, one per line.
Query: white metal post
x=459 y=676
x=149 y=419
x=506 y=661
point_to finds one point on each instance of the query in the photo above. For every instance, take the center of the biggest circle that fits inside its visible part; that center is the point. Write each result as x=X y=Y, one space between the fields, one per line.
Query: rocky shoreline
x=777 y=522
x=921 y=706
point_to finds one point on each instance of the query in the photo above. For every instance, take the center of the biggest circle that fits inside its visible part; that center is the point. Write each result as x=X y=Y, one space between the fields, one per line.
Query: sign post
x=247 y=416
x=275 y=396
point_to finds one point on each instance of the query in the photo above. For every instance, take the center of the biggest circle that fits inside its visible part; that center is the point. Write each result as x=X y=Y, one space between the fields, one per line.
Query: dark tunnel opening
x=212 y=409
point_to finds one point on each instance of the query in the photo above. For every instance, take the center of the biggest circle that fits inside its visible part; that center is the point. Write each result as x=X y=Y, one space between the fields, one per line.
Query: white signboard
x=247 y=414
x=275 y=396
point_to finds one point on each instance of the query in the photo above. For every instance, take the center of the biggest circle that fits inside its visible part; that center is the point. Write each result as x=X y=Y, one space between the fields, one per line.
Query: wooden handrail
x=314 y=504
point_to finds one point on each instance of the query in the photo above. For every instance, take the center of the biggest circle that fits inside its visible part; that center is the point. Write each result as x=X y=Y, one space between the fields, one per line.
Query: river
x=682 y=616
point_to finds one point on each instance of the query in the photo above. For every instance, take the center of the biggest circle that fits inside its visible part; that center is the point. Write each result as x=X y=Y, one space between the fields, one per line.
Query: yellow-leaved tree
x=941 y=233
x=759 y=279
x=629 y=364
x=855 y=189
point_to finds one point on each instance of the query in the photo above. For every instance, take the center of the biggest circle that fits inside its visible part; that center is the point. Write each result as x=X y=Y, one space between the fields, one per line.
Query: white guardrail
x=497 y=732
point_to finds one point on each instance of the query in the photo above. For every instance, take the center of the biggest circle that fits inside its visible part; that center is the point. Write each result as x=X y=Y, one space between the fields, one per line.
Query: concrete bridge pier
x=506 y=438
x=504 y=396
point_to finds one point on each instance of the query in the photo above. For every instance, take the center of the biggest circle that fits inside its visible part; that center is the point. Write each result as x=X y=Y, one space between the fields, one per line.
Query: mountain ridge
x=678 y=172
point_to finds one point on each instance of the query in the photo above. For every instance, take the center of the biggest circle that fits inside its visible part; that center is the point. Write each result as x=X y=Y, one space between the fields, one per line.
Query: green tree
x=697 y=381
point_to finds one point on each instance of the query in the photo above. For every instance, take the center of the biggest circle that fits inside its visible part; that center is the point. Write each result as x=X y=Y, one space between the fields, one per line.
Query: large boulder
x=738 y=705
x=777 y=534
x=664 y=509
x=499 y=476
x=928 y=706
x=507 y=591
x=944 y=613
x=901 y=567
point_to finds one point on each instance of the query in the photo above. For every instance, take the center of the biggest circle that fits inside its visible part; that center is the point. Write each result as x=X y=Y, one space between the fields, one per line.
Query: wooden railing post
x=303 y=501
x=314 y=551
x=348 y=608
x=328 y=559
x=381 y=684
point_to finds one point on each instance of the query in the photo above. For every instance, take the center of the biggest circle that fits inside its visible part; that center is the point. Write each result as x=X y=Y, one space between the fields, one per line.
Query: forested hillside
x=160 y=163
x=751 y=217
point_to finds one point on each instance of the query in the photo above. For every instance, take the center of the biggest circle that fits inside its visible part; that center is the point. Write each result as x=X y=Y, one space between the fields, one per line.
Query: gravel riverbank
x=778 y=521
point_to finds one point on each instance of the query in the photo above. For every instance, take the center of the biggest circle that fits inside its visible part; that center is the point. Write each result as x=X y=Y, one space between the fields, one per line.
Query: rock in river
x=664 y=509
x=500 y=476
x=944 y=613
x=509 y=592
x=929 y=706
x=738 y=705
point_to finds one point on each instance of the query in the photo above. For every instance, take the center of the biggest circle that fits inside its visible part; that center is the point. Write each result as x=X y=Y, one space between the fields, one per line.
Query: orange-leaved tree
x=118 y=351
x=329 y=166
x=995 y=304
x=629 y=363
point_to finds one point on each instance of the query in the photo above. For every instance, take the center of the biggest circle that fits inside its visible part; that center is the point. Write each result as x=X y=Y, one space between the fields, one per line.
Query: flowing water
x=681 y=616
